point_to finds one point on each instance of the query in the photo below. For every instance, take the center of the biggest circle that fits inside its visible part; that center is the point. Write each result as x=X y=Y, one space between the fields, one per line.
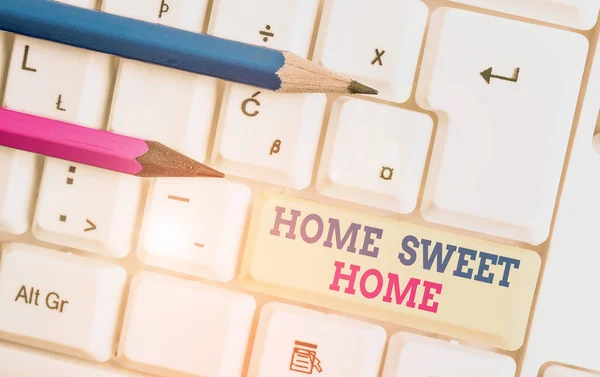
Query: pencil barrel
x=143 y=41
x=71 y=142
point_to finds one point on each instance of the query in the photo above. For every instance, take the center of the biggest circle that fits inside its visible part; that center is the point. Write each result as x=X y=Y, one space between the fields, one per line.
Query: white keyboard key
x=172 y=107
x=564 y=325
x=90 y=4
x=17 y=361
x=58 y=81
x=183 y=14
x=381 y=50
x=279 y=24
x=268 y=136
x=5 y=47
x=178 y=327
x=87 y=208
x=17 y=188
x=194 y=226
x=72 y=85
x=17 y=176
x=579 y=14
x=560 y=371
x=411 y=355
x=58 y=301
x=293 y=341
x=53 y=80
x=151 y=102
x=499 y=152
x=393 y=145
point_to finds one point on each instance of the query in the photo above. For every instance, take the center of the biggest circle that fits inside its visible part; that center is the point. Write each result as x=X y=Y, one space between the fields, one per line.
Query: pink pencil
x=98 y=148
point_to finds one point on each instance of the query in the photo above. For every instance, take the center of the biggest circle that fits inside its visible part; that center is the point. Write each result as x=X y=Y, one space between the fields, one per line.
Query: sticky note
x=381 y=268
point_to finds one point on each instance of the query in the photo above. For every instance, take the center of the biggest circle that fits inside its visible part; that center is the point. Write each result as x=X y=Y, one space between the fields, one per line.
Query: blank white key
x=560 y=371
x=17 y=187
x=293 y=341
x=87 y=208
x=279 y=24
x=20 y=361
x=90 y=4
x=564 y=325
x=177 y=327
x=162 y=104
x=381 y=50
x=183 y=14
x=58 y=301
x=499 y=151
x=194 y=226
x=579 y=14
x=411 y=355
x=5 y=48
x=374 y=154
x=268 y=136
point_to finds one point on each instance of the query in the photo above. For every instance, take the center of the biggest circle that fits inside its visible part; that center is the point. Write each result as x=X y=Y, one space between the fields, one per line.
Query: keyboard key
x=317 y=343
x=411 y=355
x=205 y=329
x=17 y=188
x=268 y=136
x=182 y=14
x=20 y=361
x=58 y=81
x=499 y=153
x=579 y=14
x=18 y=173
x=53 y=80
x=87 y=208
x=279 y=24
x=564 y=327
x=560 y=371
x=382 y=50
x=389 y=270
x=5 y=47
x=90 y=4
x=151 y=102
x=194 y=226
x=58 y=301
x=393 y=149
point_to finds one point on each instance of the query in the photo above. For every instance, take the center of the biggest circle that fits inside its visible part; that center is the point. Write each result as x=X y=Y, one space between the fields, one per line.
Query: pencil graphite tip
x=357 y=88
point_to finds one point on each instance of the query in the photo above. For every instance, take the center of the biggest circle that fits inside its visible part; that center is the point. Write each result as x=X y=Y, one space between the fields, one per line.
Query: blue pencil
x=280 y=71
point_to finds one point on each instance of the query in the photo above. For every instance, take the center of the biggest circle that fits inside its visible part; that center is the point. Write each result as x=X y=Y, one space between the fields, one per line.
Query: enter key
x=388 y=270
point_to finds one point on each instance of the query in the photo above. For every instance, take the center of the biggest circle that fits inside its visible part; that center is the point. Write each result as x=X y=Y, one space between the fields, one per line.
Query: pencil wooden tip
x=357 y=88
x=205 y=171
x=162 y=161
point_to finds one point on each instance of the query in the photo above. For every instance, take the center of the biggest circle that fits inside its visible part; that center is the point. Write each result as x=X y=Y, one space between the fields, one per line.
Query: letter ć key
x=431 y=280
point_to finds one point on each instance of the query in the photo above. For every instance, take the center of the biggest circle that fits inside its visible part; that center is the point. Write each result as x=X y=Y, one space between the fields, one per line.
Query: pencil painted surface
x=71 y=142
x=143 y=41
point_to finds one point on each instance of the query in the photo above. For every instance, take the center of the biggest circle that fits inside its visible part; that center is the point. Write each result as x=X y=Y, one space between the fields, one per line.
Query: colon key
x=31 y=296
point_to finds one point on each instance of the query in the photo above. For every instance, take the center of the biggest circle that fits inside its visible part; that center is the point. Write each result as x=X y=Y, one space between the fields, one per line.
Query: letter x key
x=378 y=56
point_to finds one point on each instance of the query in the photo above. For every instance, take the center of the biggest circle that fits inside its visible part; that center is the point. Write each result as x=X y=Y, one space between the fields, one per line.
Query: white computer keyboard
x=445 y=228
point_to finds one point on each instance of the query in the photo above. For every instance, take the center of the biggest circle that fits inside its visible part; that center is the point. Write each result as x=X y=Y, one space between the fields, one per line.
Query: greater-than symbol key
x=91 y=227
